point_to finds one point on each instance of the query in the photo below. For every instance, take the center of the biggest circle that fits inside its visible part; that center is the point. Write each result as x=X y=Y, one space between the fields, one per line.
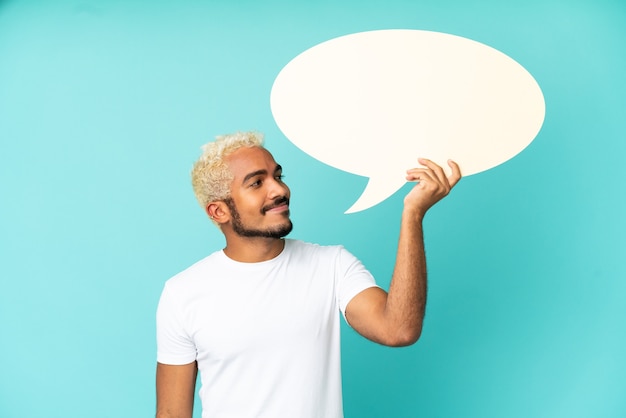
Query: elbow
x=404 y=337
x=408 y=338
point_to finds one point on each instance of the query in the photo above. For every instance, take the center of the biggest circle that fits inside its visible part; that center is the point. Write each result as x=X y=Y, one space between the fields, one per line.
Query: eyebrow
x=261 y=172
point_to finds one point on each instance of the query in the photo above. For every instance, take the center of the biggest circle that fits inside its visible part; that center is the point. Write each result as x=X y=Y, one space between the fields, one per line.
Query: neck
x=253 y=250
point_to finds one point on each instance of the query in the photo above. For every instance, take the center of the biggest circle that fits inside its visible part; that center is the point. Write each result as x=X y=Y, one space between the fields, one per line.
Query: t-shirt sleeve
x=352 y=278
x=174 y=346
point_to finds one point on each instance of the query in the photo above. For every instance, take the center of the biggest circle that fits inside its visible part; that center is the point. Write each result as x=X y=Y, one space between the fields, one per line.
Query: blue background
x=103 y=108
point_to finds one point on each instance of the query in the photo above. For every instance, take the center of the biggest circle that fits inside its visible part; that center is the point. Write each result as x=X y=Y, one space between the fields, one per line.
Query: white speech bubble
x=371 y=103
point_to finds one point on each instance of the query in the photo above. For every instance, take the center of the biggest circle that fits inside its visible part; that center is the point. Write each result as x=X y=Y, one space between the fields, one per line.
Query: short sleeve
x=174 y=346
x=352 y=278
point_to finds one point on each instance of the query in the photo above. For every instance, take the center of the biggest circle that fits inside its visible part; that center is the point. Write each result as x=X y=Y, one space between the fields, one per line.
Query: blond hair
x=210 y=176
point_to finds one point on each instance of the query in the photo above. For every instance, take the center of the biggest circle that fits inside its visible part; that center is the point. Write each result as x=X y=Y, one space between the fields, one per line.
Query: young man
x=260 y=318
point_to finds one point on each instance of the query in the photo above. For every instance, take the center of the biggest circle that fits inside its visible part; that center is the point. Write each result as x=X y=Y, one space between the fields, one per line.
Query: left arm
x=396 y=318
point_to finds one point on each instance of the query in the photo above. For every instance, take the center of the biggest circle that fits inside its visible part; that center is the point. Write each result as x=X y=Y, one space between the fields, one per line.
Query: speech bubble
x=371 y=103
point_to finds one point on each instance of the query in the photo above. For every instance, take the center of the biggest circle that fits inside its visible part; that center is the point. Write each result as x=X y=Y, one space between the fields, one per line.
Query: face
x=259 y=202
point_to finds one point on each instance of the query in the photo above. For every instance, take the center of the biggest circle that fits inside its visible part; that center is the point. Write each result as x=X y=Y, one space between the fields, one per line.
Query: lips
x=278 y=202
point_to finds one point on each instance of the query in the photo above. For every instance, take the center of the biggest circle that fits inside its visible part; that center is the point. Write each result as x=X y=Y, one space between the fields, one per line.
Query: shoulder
x=200 y=270
x=297 y=246
x=315 y=252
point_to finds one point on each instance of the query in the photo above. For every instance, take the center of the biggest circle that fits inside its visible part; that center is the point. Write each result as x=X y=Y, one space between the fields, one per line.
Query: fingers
x=454 y=178
x=417 y=174
x=433 y=184
x=435 y=172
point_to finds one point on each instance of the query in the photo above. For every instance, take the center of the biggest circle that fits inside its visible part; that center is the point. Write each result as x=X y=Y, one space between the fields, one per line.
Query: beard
x=240 y=229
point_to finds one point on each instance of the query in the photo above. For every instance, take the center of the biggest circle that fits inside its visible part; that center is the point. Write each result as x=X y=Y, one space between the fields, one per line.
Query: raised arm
x=395 y=319
x=175 y=386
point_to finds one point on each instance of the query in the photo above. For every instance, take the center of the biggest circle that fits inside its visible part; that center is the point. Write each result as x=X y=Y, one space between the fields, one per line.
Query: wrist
x=413 y=212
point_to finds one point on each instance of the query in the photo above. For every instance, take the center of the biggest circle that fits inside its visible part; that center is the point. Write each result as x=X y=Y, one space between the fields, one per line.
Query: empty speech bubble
x=371 y=103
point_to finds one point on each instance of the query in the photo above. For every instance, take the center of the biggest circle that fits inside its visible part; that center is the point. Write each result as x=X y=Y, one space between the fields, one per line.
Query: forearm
x=162 y=414
x=396 y=318
x=406 y=301
x=187 y=413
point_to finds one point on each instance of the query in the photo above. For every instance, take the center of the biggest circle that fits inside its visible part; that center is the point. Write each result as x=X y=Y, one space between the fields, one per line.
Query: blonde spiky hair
x=210 y=176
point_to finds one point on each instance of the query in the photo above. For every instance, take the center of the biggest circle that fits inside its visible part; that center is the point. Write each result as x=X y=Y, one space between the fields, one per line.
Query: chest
x=253 y=314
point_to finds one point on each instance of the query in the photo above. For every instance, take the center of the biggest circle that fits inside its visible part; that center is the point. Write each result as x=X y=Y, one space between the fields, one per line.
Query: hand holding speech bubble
x=371 y=103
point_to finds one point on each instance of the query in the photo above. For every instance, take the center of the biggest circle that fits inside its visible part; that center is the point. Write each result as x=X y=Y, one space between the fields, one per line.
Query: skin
x=175 y=390
x=394 y=318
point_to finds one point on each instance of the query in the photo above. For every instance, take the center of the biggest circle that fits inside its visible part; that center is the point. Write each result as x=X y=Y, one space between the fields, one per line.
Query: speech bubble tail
x=377 y=190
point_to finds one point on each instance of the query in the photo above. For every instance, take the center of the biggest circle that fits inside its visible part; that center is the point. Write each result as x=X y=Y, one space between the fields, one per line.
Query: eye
x=279 y=177
x=256 y=183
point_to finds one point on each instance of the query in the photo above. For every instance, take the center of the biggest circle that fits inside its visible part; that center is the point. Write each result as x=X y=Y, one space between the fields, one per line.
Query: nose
x=278 y=188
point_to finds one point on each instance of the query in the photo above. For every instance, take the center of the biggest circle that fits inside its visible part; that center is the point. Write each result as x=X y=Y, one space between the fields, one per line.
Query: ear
x=218 y=212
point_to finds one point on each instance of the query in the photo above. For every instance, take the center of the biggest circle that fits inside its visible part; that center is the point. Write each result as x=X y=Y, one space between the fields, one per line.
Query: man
x=260 y=319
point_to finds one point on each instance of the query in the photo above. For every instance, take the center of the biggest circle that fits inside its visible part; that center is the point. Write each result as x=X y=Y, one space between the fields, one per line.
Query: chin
x=282 y=230
x=276 y=231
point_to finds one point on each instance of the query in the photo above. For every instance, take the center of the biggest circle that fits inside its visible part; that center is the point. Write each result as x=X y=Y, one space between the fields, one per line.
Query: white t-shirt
x=265 y=335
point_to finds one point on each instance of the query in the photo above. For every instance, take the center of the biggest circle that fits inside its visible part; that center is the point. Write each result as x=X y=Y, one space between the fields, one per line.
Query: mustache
x=279 y=201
